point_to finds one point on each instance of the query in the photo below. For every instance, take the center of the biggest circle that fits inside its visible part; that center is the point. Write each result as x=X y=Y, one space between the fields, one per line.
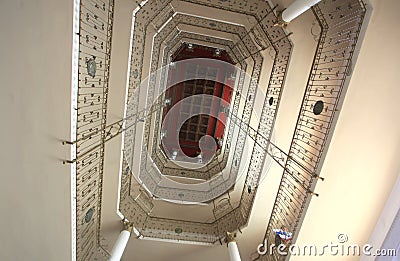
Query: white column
x=232 y=247
x=233 y=251
x=120 y=244
x=297 y=8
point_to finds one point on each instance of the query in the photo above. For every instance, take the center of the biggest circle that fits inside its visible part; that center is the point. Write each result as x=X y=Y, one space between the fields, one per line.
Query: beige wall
x=115 y=111
x=35 y=58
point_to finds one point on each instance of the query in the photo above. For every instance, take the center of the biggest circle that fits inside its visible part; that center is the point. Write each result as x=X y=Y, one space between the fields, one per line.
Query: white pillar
x=120 y=244
x=232 y=247
x=233 y=251
x=297 y=8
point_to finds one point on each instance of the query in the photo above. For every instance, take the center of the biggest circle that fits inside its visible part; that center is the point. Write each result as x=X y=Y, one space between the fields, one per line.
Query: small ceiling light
x=190 y=46
x=167 y=101
x=174 y=154
x=217 y=52
x=199 y=158
x=163 y=133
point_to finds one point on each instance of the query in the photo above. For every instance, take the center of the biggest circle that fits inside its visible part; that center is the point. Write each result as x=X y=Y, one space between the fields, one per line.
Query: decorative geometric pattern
x=341 y=23
x=96 y=21
x=234 y=219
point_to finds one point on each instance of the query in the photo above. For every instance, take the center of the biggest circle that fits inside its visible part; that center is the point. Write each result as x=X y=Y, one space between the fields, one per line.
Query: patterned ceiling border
x=341 y=23
x=89 y=105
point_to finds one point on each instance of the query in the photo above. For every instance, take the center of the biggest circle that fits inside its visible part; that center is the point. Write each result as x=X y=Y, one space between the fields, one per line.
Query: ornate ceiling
x=222 y=188
x=154 y=178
